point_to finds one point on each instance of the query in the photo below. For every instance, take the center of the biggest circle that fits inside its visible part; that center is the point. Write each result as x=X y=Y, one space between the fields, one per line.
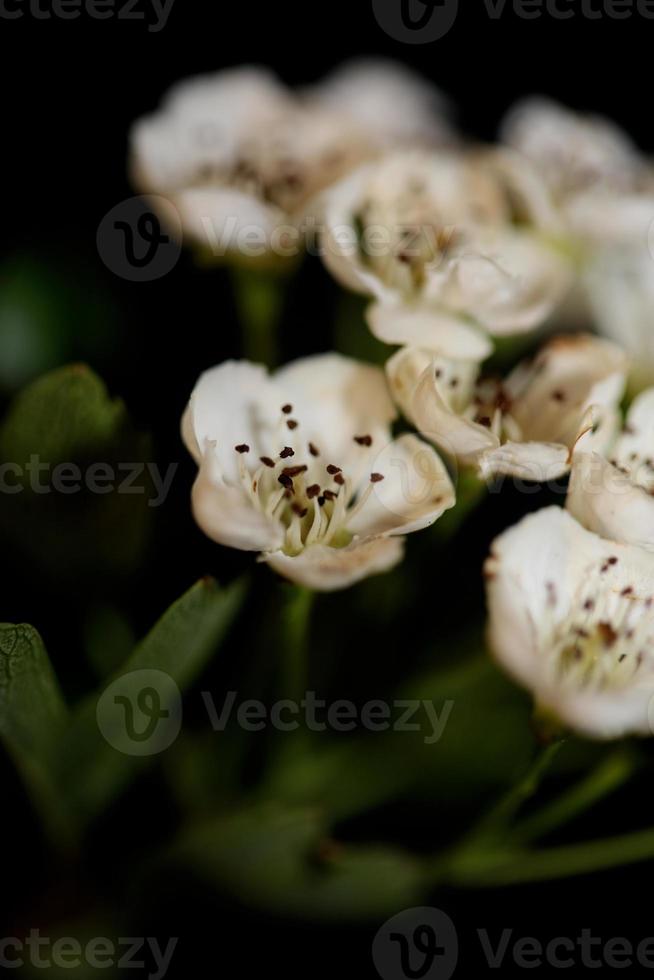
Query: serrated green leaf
x=33 y=717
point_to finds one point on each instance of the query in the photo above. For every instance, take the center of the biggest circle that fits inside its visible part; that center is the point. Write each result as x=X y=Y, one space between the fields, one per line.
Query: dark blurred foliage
x=70 y=91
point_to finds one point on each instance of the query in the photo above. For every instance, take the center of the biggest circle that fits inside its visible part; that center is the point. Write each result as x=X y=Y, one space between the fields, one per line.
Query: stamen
x=376 y=477
x=286 y=452
x=292 y=424
x=287 y=409
x=294 y=471
x=243 y=448
x=267 y=461
x=363 y=440
x=285 y=481
x=314 y=450
x=331 y=469
x=313 y=491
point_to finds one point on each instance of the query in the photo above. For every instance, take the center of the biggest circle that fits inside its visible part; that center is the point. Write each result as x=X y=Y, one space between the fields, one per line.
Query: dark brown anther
x=608 y=634
x=340 y=479
x=293 y=471
x=286 y=452
x=363 y=440
x=299 y=509
x=313 y=491
x=285 y=481
x=330 y=495
x=485 y=421
x=331 y=469
x=292 y=424
x=628 y=591
x=376 y=477
x=243 y=448
x=314 y=450
x=321 y=501
x=267 y=461
x=287 y=409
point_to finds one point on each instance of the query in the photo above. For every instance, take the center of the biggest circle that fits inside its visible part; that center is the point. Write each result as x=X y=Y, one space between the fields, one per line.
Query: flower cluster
x=455 y=246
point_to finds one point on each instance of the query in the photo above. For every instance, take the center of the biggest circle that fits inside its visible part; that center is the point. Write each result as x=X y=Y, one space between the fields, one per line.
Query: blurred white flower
x=620 y=289
x=573 y=152
x=528 y=425
x=243 y=159
x=387 y=101
x=572 y=620
x=430 y=237
x=614 y=497
x=302 y=467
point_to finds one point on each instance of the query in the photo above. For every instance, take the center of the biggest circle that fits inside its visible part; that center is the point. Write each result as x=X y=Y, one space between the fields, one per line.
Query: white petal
x=620 y=289
x=336 y=398
x=232 y=404
x=327 y=569
x=227 y=515
x=438 y=420
x=569 y=375
x=389 y=102
x=512 y=283
x=415 y=492
x=226 y=221
x=537 y=462
x=607 y=502
x=432 y=329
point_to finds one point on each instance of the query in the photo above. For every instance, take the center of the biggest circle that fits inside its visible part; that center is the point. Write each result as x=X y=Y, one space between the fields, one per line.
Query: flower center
x=314 y=499
x=607 y=641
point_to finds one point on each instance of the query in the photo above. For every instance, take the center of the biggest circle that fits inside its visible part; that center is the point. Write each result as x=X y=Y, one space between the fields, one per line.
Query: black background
x=70 y=90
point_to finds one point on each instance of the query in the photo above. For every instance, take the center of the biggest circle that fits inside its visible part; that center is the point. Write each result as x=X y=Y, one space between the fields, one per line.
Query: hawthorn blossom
x=573 y=152
x=615 y=497
x=572 y=620
x=528 y=425
x=242 y=159
x=301 y=466
x=431 y=238
x=389 y=102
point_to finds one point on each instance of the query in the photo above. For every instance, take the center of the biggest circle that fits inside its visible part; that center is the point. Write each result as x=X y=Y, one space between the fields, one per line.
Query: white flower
x=572 y=619
x=573 y=152
x=529 y=424
x=430 y=237
x=388 y=101
x=620 y=288
x=243 y=160
x=614 y=497
x=236 y=154
x=301 y=466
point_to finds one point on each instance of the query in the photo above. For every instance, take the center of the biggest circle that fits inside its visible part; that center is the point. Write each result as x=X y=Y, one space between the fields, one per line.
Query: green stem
x=259 y=298
x=605 y=779
x=493 y=825
x=296 y=621
x=500 y=868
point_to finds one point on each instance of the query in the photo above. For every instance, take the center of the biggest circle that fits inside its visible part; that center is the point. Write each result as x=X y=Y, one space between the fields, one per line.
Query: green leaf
x=79 y=536
x=284 y=860
x=92 y=769
x=33 y=716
